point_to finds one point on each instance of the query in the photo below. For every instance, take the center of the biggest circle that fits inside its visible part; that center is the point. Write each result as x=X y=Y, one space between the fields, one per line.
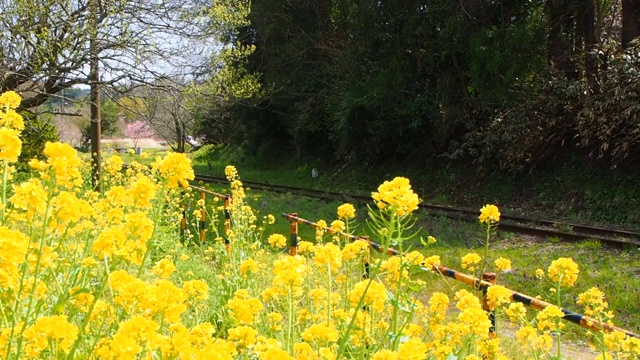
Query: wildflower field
x=111 y=275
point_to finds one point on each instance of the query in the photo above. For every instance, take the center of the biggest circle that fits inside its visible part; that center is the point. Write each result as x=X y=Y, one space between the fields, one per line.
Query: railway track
x=510 y=223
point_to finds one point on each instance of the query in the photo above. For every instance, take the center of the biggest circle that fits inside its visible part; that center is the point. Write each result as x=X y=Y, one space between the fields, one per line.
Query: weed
x=590 y=244
x=554 y=239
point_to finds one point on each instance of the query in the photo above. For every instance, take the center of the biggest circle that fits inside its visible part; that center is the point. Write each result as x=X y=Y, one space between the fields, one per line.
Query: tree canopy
x=508 y=83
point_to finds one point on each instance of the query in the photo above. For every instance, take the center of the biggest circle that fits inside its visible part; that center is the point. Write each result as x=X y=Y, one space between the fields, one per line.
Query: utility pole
x=94 y=80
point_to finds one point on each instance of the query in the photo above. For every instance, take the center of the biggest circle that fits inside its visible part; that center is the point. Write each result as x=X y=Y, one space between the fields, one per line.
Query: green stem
x=43 y=237
x=329 y=288
x=4 y=189
x=156 y=221
x=486 y=250
x=290 y=328
x=558 y=320
x=395 y=337
x=87 y=317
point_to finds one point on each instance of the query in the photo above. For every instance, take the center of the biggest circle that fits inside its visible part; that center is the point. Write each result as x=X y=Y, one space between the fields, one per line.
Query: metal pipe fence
x=488 y=280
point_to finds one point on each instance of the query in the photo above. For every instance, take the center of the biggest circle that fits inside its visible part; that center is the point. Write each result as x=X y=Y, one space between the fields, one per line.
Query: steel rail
x=510 y=223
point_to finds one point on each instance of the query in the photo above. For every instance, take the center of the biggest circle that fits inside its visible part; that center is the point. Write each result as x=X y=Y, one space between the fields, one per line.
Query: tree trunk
x=587 y=26
x=630 y=21
x=94 y=78
x=560 y=20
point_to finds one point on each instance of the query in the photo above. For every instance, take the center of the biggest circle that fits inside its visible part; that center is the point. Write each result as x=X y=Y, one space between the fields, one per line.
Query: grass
x=613 y=271
x=570 y=191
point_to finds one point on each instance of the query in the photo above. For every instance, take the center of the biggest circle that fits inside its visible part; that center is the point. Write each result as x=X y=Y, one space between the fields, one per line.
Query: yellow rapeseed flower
x=489 y=214
x=243 y=307
x=528 y=337
x=346 y=211
x=497 y=295
x=243 y=336
x=320 y=230
x=516 y=312
x=196 y=289
x=470 y=259
x=289 y=274
x=320 y=333
x=306 y=247
x=64 y=161
x=396 y=195
x=277 y=240
x=354 y=249
x=328 y=257
x=438 y=305
x=14 y=246
x=113 y=164
x=564 y=271
x=275 y=321
x=164 y=268
x=547 y=318
x=231 y=172
x=248 y=266
x=175 y=168
x=375 y=297
x=55 y=330
x=594 y=303
x=412 y=349
x=30 y=196
x=503 y=264
x=337 y=226
x=10 y=99
x=385 y=354
x=10 y=145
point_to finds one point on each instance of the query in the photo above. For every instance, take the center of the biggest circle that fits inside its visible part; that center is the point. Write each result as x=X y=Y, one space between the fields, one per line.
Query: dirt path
x=128 y=143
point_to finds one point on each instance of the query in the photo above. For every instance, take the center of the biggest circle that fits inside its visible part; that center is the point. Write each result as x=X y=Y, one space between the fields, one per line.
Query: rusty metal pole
x=490 y=277
x=293 y=245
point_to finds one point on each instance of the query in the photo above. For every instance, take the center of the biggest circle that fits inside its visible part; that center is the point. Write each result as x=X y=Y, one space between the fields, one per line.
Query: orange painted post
x=227 y=223
x=183 y=221
x=293 y=245
x=366 y=260
x=490 y=277
x=203 y=223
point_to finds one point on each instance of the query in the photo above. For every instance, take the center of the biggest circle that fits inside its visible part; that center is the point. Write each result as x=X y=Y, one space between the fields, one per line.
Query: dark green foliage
x=37 y=131
x=609 y=122
x=509 y=84
x=557 y=116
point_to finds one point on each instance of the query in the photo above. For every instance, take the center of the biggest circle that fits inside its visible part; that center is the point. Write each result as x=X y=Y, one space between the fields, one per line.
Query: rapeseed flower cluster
x=563 y=271
x=102 y=276
x=396 y=195
x=11 y=124
x=489 y=214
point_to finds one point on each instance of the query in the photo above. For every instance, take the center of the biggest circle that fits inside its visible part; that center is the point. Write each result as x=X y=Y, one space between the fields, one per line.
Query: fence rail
x=480 y=284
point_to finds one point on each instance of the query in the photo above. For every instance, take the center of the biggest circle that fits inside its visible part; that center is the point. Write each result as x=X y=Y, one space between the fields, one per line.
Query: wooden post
x=490 y=277
x=203 y=223
x=227 y=223
x=366 y=260
x=183 y=221
x=293 y=246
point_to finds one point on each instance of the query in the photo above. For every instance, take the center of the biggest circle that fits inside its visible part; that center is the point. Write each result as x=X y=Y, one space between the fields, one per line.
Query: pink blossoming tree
x=138 y=130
